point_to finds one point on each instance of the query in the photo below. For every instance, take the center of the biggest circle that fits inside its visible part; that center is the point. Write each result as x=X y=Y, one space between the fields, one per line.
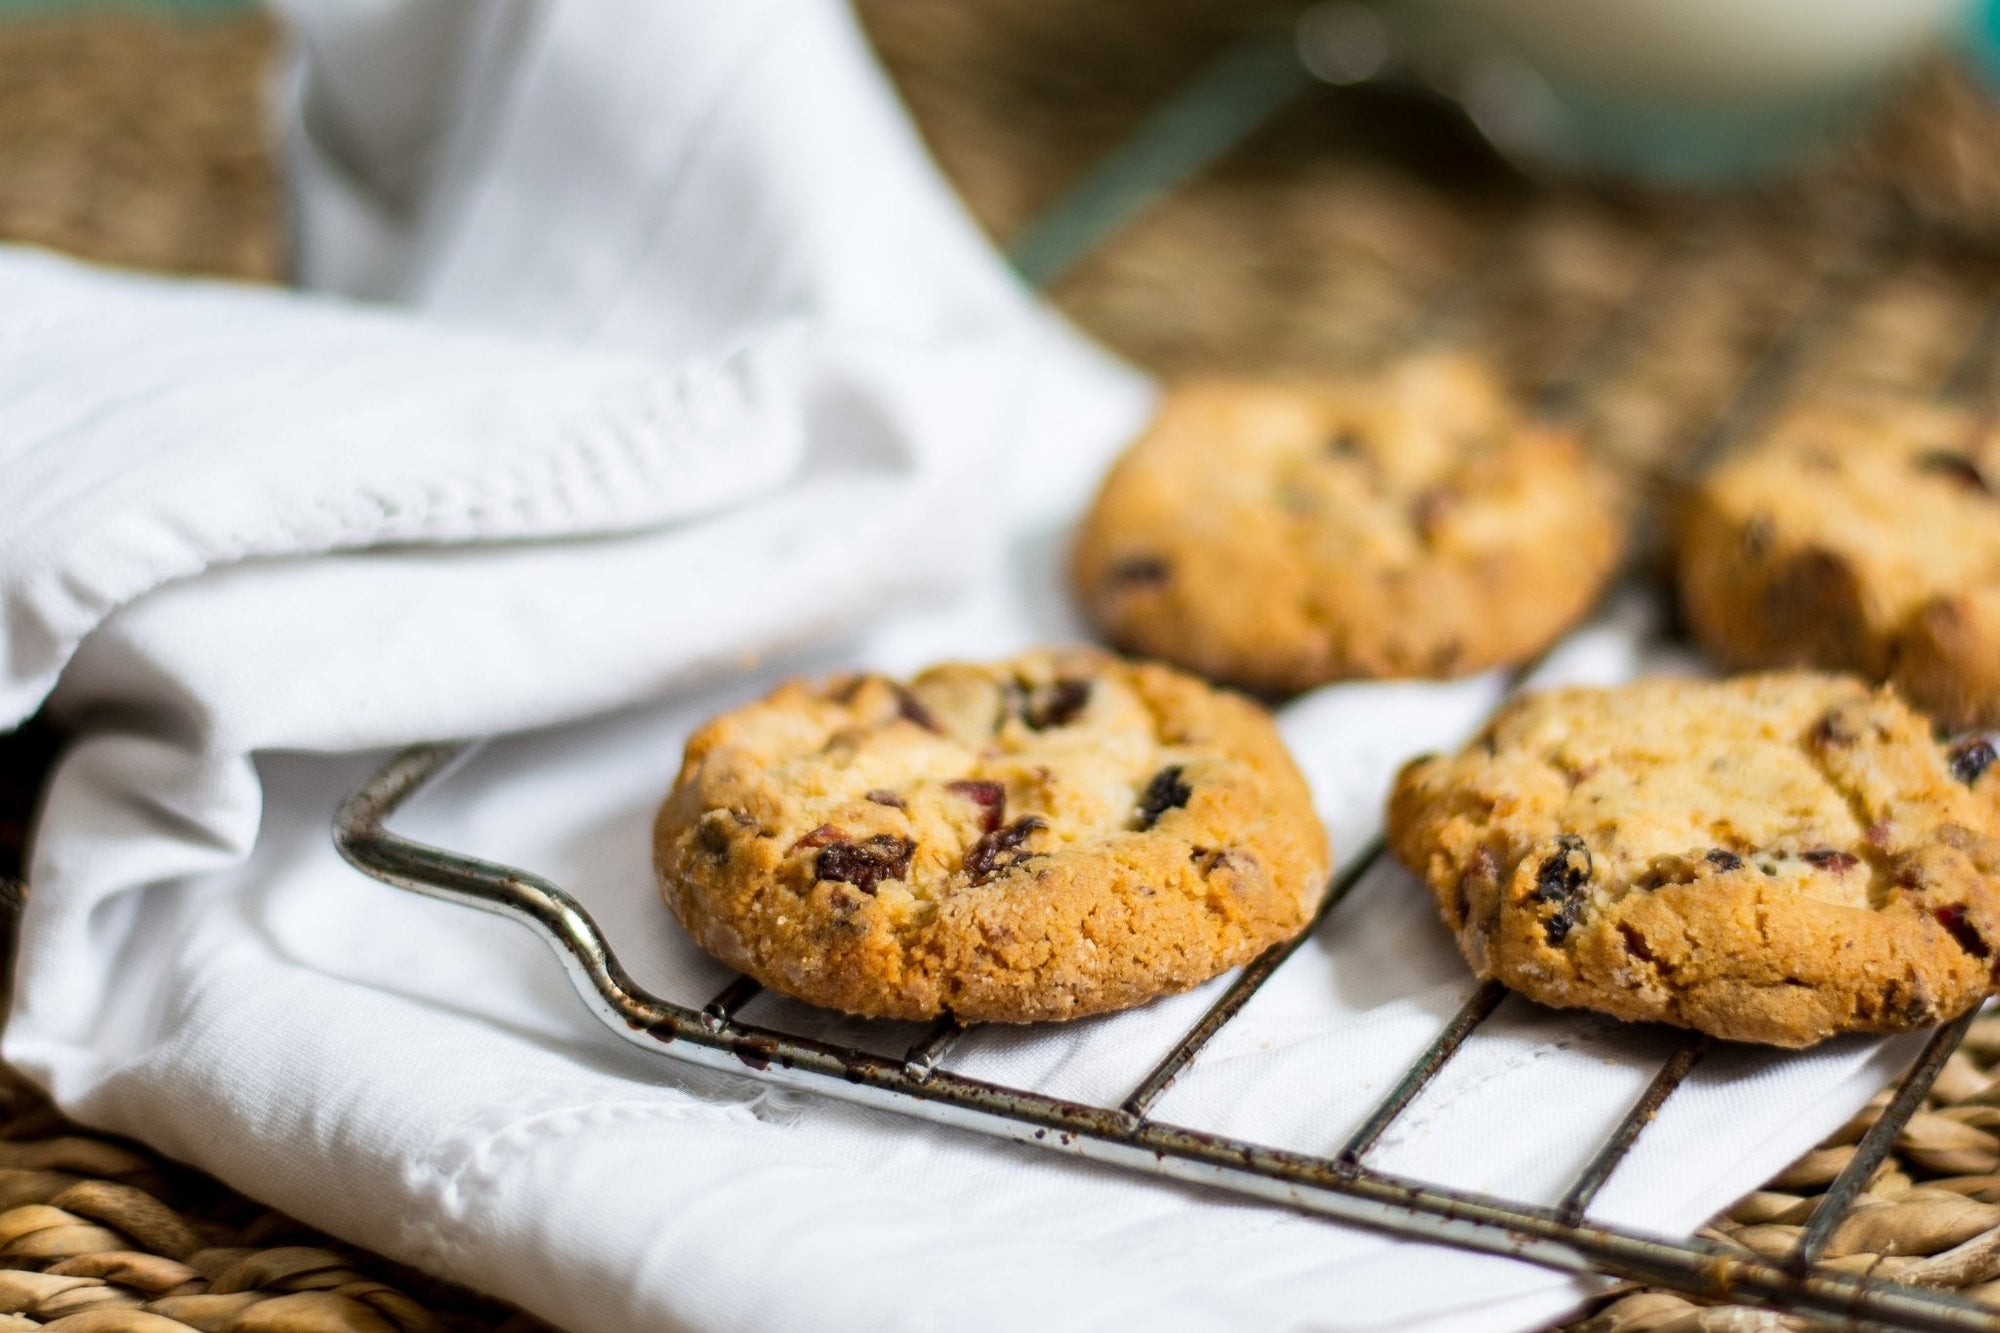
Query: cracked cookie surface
x=1281 y=536
x=1862 y=538
x=1775 y=858
x=1053 y=836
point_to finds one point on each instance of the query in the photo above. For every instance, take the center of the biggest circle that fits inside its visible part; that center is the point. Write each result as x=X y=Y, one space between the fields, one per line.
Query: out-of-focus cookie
x=1043 y=838
x=1775 y=858
x=1280 y=536
x=1862 y=537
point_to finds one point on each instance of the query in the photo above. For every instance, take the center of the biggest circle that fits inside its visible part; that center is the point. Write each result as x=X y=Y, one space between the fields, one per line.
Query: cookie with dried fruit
x=1279 y=536
x=1775 y=858
x=1057 y=835
x=1863 y=537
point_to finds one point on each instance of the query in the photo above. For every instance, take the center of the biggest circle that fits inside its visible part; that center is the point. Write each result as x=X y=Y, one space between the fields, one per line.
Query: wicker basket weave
x=140 y=141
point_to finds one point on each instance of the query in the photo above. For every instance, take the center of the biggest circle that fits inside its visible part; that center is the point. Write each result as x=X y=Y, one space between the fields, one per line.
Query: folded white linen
x=708 y=381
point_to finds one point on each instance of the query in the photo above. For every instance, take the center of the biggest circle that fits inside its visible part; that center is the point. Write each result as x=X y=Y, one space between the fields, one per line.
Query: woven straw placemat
x=141 y=141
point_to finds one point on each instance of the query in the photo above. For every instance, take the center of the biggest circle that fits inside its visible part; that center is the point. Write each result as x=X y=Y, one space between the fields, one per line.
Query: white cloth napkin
x=697 y=377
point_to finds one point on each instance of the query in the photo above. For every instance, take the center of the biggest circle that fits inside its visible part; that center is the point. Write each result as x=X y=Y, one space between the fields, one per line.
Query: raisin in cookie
x=1053 y=836
x=1282 y=536
x=1864 y=538
x=1775 y=858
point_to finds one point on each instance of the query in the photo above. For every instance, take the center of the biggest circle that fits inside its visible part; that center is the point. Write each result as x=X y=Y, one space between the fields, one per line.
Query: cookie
x=1775 y=858
x=1043 y=838
x=1861 y=537
x=1279 y=536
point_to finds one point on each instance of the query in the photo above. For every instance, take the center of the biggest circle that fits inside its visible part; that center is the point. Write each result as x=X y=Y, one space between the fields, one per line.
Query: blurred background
x=1196 y=198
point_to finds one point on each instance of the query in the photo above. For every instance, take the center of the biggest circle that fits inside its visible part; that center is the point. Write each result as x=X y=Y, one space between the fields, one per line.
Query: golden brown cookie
x=1774 y=858
x=1282 y=536
x=1862 y=537
x=1044 y=838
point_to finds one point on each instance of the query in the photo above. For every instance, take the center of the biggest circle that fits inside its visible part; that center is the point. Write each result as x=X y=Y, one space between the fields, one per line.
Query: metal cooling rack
x=1341 y=1186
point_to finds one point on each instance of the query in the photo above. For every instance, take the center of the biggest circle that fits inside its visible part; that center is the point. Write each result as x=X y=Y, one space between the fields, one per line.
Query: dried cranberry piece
x=1724 y=860
x=1208 y=860
x=1141 y=570
x=1001 y=849
x=713 y=832
x=1056 y=705
x=911 y=709
x=1836 y=728
x=991 y=797
x=866 y=864
x=1969 y=759
x=1040 y=707
x=1826 y=858
x=1959 y=467
x=1165 y=792
x=1952 y=918
x=883 y=796
x=822 y=836
x=1560 y=883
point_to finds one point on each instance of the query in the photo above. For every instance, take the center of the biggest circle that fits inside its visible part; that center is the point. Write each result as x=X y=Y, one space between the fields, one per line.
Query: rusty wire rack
x=1342 y=1185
